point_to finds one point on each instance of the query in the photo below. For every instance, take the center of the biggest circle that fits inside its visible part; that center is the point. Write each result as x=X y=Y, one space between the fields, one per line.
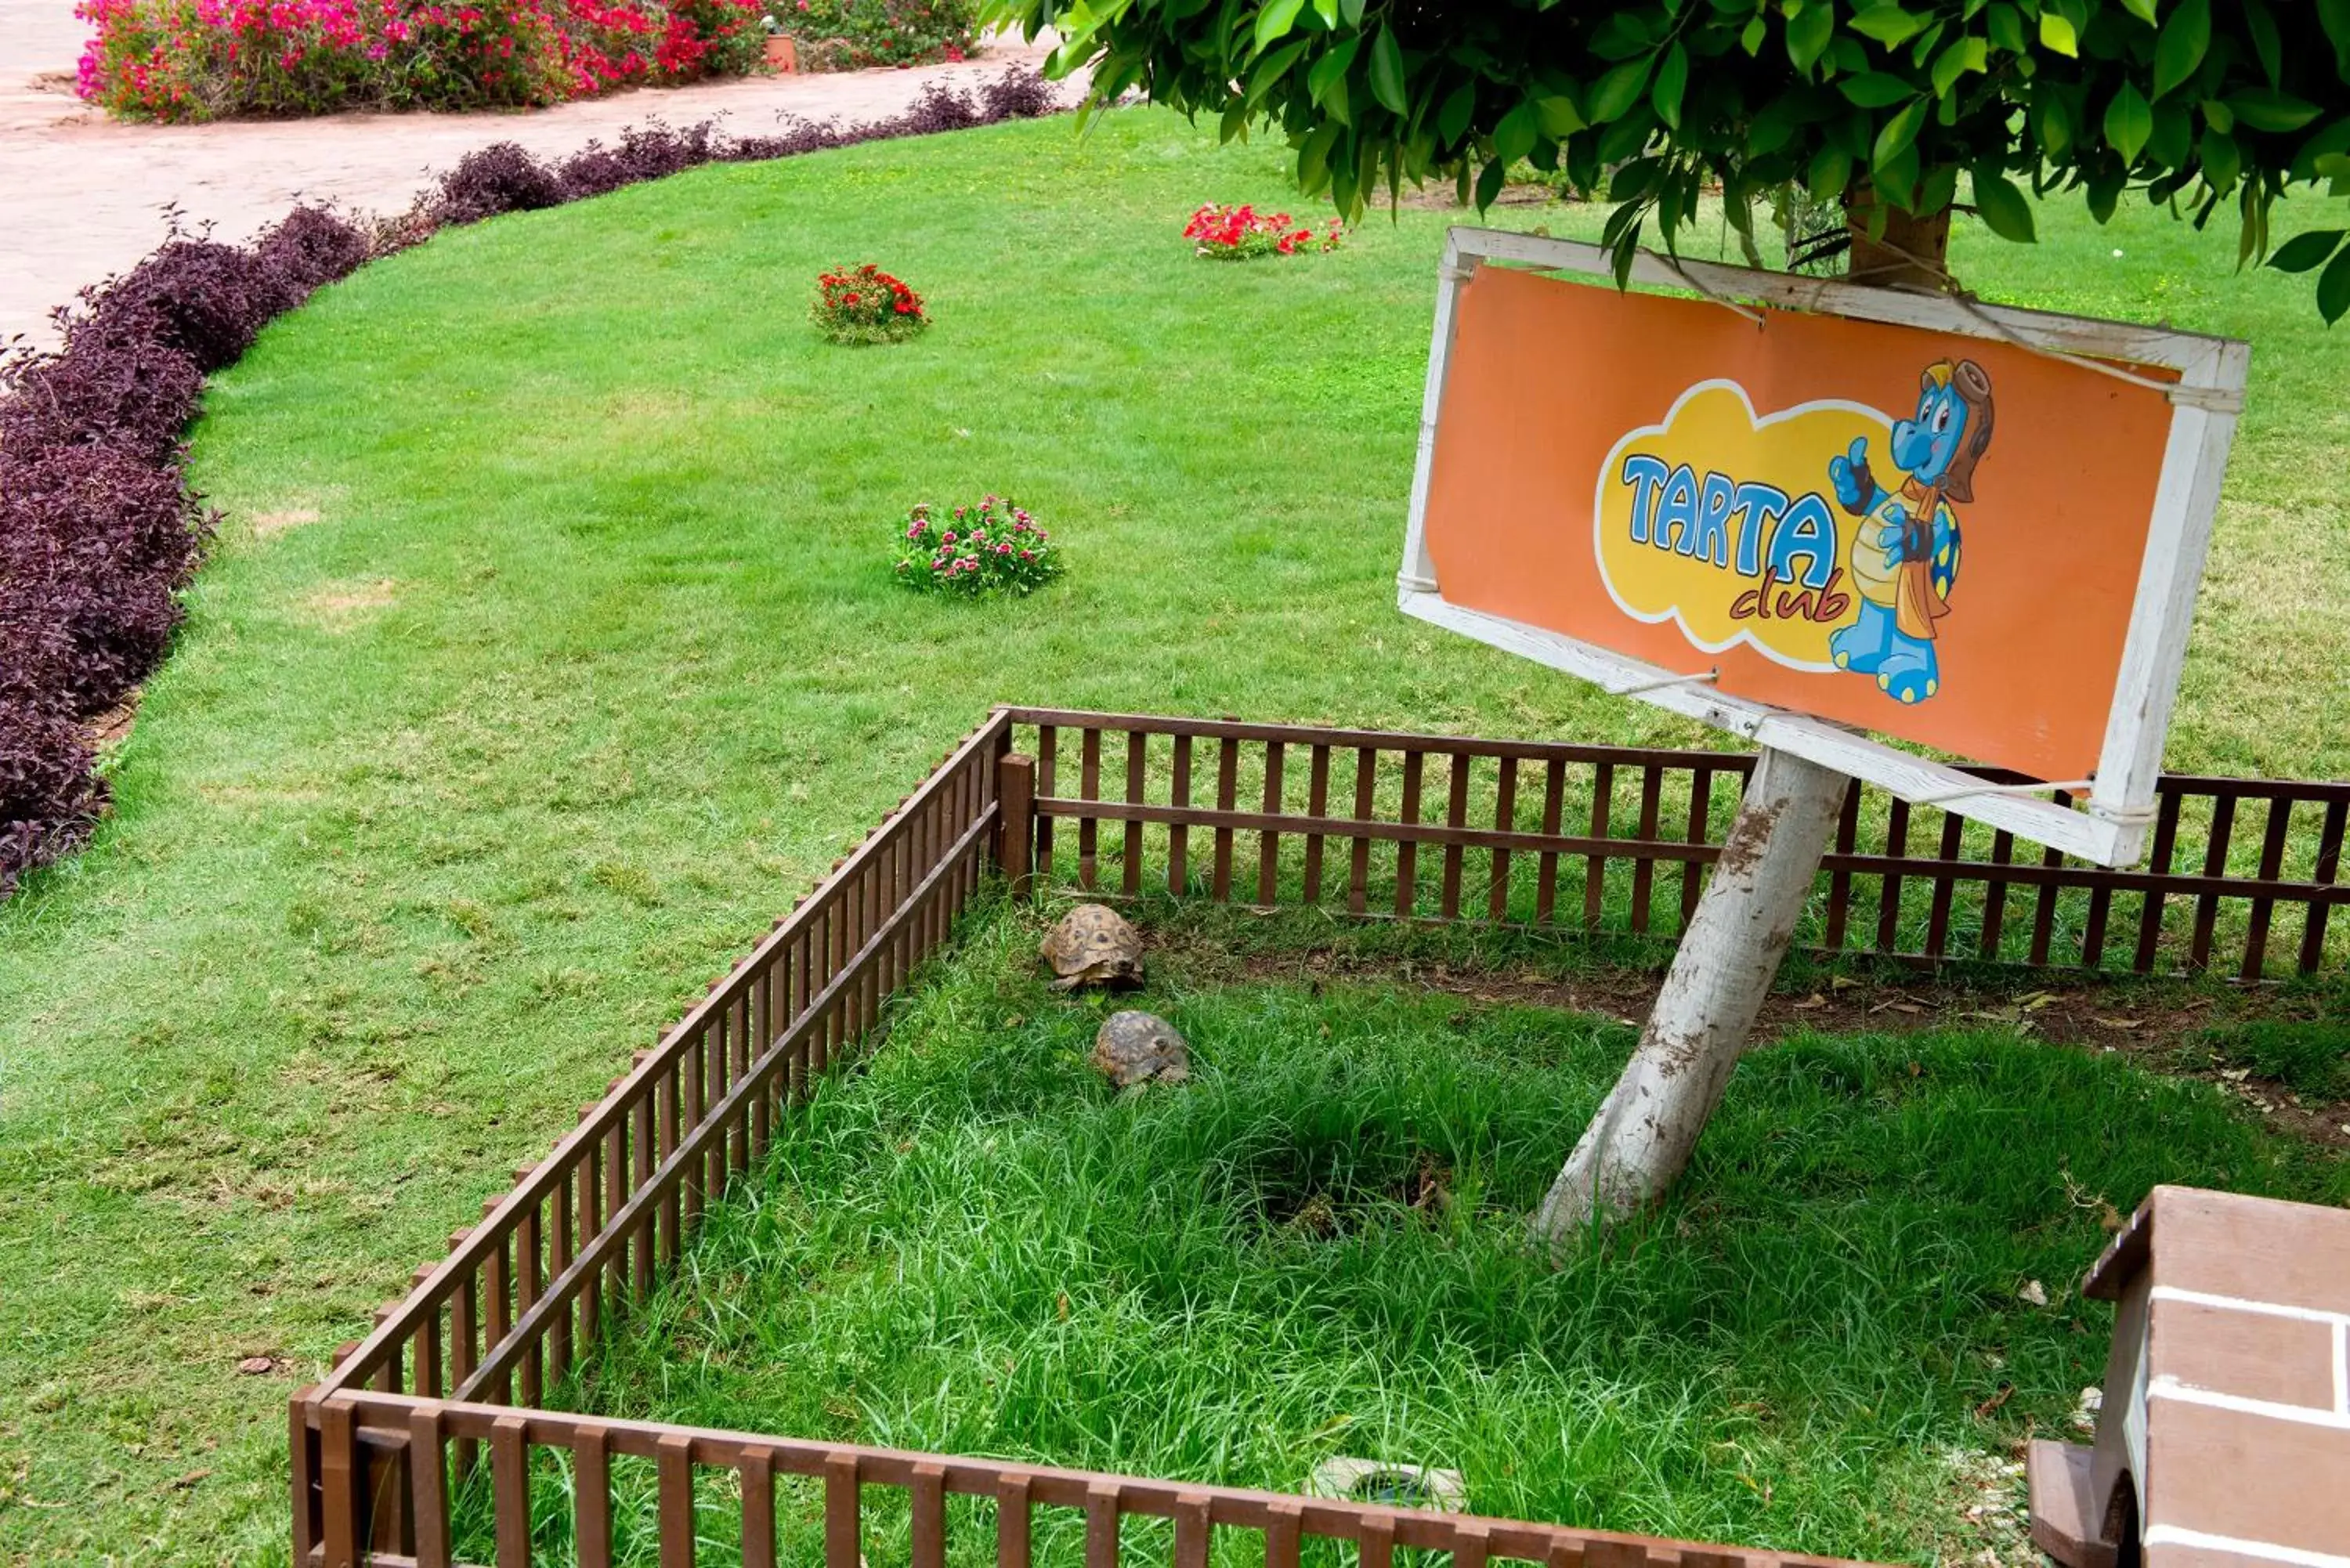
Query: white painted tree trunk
x=1641 y=1139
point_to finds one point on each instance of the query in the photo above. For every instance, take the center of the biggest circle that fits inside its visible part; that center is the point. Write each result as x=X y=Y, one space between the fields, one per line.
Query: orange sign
x=1935 y=537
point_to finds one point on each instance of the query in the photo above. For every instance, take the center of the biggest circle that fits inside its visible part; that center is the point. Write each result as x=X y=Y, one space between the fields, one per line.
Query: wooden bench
x=2224 y=1439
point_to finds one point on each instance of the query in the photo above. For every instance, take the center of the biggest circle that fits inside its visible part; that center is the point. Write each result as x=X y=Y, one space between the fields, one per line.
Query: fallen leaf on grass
x=255 y=1365
x=2006 y=1392
x=2034 y=1293
x=191 y=1479
x=2115 y=1023
x=1814 y=1000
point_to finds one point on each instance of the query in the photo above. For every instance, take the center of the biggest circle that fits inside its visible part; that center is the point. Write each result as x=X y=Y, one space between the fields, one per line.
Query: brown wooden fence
x=554 y=1494
x=437 y=1405
x=1614 y=838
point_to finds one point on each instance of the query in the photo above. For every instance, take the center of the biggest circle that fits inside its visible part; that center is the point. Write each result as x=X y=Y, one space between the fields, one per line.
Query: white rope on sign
x=1700 y=677
x=2211 y=399
x=1672 y=265
x=2076 y=785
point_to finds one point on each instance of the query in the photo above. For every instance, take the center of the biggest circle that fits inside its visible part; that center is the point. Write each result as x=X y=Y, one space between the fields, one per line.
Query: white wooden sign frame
x=2111 y=829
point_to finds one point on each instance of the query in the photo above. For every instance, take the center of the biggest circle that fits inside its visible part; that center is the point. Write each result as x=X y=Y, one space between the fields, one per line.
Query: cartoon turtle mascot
x=1905 y=555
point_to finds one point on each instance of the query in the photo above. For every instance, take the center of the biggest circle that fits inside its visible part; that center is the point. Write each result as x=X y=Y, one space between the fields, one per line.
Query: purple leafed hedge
x=98 y=532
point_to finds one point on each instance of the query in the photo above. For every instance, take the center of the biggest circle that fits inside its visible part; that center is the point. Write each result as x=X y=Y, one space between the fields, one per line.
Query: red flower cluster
x=1237 y=234
x=201 y=59
x=995 y=547
x=865 y=305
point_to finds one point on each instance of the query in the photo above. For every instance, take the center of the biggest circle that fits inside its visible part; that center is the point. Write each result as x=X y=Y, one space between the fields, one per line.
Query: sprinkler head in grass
x=1093 y=945
x=1396 y=1485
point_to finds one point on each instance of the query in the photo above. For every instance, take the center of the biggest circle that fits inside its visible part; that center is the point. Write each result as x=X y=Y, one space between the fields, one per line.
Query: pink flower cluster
x=1237 y=234
x=993 y=546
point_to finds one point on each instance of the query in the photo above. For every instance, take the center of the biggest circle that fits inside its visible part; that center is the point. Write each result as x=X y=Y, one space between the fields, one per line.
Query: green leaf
x=2303 y=252
x=1810 y=30
x=1751 y=40
x=2333 y=15
x=2003 y=208
x=1490 y=181
x=2222 y=161
x=1898 y=133
x=2263 y=109
x=1516 y=134
x=1452 y=119
x=1877 y=89
x=1386 y=73
x=2128 y=123
x=2333 y=289
x=1830 y=173
x=1964 y=54
x=1314 y=157
x=1350 y=11
x=1888 y=24
x=2052 y=119
x=2181 y=48
x=1618 y=90
x=2265 y=40
x=2005 y=24
x=2333 y=166
x=1331 y=68
x=1558 y=115
x=1274 y=20
x=1270 y=69
x=2141 y=9
x=1672 y=78
x=1328 y=11
x=2056 y=33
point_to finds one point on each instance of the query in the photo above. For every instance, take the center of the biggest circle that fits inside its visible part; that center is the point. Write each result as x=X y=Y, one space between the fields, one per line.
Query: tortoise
x=1093 y=945
x=1140 y=1048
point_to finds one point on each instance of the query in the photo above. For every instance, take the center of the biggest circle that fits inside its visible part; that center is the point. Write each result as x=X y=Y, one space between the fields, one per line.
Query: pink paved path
x=81 y=198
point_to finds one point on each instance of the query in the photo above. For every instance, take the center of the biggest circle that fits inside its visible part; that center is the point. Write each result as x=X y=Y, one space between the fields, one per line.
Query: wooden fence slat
x=1101 y=1525
x=1888 y=896
x=1089 y=788
x=1047 y=742
x=1547 y=865
x=927 y=1506
x=510 y=1490
x=2165 y=839
x=1193 y=1513
x=1280 y=1532
x=1179 y=838
x=1268 y=857
x=1848 y=838
x=591 y=1518
x=1644 y=870
x=1228 y=762
x=428 y=1487
x=1938 y=917
x=1317 y=804
x=1376 y=1547
x=1131 y=856
x=2256 y=935
x=1595 y=871
x=2043 y=907
x=1358 y=873
x=1701 y=821
x=1994 y=921
x=340 y=1468
x=1406 y=894
x=2214 y=863
x=757 y=1471
x=2326 y=869
x=674 y=1499
x=843 y=1527
x=1014 y=1514
x=1456 y=814
x=1505 y=817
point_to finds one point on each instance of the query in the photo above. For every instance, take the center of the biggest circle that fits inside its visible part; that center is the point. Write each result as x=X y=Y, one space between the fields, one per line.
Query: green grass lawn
x=1316 y=1247
x=550 y=651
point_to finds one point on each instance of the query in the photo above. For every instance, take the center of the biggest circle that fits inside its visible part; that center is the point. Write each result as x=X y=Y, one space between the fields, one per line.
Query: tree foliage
x=2208 y=107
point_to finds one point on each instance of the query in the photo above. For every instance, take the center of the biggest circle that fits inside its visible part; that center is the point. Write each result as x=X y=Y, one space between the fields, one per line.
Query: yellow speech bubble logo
x=1725 y=522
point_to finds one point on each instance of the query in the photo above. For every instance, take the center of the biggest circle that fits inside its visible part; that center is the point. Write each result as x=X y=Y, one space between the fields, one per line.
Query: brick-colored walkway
x=81 y=197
